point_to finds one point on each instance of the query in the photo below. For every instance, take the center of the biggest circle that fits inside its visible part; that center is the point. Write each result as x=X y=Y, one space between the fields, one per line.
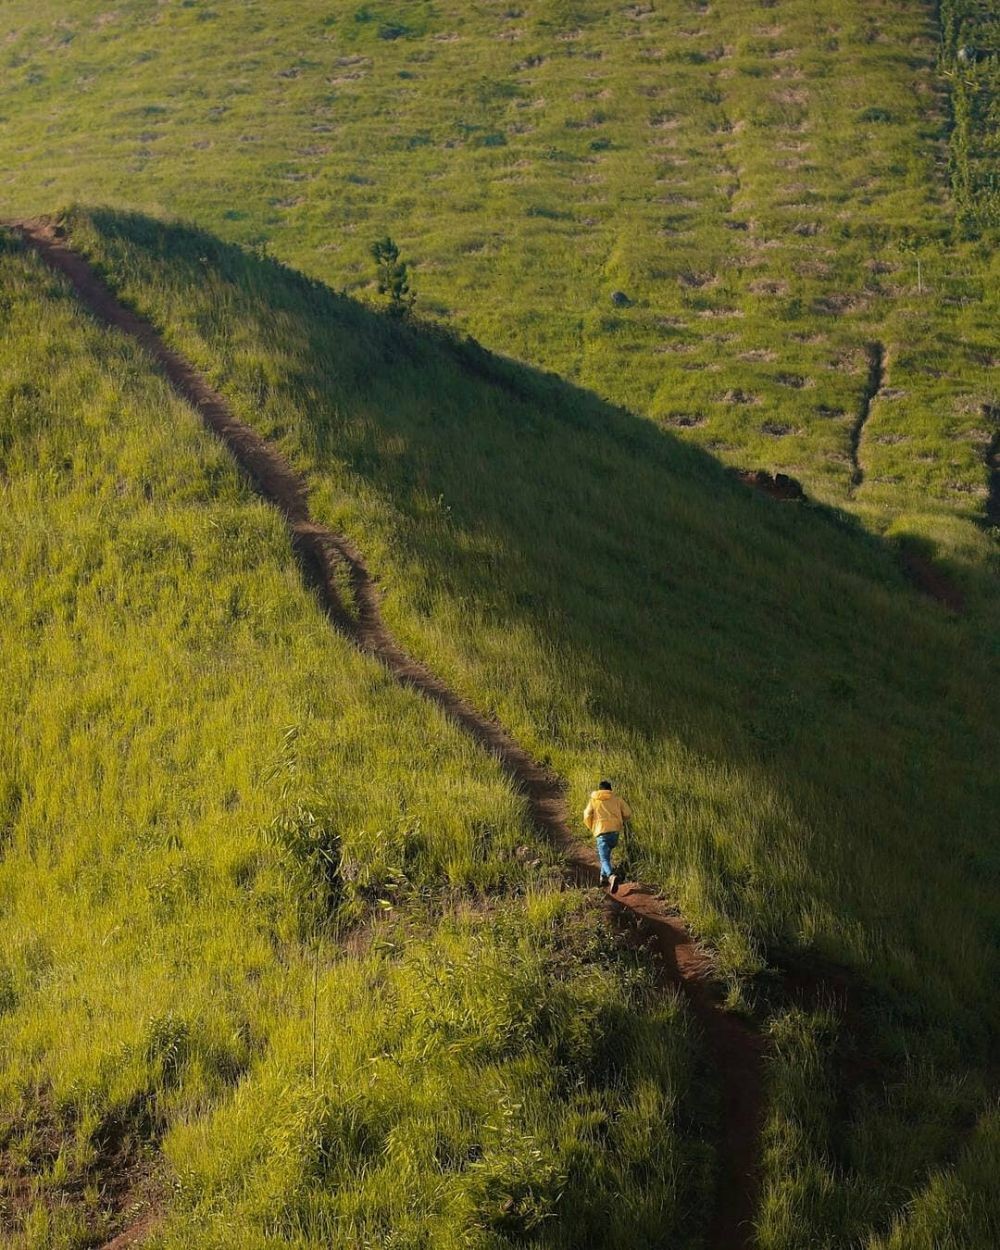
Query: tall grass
x=484 y=1087
x=758 y=678
x=809 y=744
x=209 y=799
x=612 y=595
x=971 y=61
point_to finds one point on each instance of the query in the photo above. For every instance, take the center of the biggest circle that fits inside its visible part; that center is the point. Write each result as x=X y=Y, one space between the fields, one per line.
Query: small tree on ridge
x=393 y=276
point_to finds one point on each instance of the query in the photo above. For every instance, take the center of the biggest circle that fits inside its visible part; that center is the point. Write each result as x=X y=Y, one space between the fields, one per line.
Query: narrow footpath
x=735 y=1048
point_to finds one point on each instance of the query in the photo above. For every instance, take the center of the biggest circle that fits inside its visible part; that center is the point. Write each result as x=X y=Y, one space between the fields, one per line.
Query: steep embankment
x=325 y=555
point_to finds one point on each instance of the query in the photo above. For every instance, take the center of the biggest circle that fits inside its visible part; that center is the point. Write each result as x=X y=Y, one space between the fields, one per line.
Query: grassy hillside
x=769 y=188
x=742 y=234
x=759 y=677
x=261 y=910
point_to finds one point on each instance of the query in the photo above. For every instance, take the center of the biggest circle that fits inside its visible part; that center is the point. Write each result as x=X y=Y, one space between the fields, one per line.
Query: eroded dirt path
x=874 y=382
x=135 y=1233
x=735 y=1048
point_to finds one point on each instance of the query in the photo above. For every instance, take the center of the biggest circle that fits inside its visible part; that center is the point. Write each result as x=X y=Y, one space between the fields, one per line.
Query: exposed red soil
x=737 y=1053
x=931 y=579
x=136 y=1231
x=120 y=1170
x=777 y=485
x=736 y=1050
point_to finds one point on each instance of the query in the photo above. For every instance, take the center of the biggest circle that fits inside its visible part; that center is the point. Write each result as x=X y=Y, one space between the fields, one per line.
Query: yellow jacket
x=606 y=813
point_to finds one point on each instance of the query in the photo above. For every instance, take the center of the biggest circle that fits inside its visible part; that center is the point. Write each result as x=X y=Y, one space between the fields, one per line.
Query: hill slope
x=208 y=801
x=768 y=231
x=757 y=674
x=773 y=192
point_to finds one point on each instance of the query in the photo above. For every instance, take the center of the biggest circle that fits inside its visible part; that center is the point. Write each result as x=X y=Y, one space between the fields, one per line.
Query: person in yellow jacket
x=605 y=816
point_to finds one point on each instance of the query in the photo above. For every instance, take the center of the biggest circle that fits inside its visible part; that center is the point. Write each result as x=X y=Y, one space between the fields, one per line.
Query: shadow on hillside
x=682 y=611
x=677 y=603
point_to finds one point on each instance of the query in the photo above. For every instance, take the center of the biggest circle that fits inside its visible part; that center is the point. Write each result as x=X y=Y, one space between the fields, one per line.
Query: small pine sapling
x=393 y=276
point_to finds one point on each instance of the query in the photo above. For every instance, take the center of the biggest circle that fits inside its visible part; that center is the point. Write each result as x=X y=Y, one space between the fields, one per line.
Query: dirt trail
x=736 y=1049
x=873 y=384
x=135 y=1232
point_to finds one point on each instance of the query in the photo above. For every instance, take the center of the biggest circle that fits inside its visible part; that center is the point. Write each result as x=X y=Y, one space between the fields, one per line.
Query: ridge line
x=737 y=1050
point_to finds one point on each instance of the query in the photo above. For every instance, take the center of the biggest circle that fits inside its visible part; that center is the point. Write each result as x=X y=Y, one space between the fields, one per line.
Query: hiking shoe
x=613 y=883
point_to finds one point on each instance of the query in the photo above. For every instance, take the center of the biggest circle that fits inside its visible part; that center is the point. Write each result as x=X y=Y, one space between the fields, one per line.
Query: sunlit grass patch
x=531 y=166
x=208 y=798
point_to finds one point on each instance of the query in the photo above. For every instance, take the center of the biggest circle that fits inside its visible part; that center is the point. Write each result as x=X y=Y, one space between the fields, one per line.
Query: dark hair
x=605 y=785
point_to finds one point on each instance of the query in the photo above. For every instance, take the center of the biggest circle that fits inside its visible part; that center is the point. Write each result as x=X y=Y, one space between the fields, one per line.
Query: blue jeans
x=606 y=843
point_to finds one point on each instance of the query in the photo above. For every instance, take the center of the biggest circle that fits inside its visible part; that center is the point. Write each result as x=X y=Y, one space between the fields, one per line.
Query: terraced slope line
x=736 y=1050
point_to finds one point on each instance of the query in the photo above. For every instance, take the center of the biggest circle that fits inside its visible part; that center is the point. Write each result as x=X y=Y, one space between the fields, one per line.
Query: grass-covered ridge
x=207 y=800
x=766 y=230
x=770 y=188
x=757 y=676
x=598 y=584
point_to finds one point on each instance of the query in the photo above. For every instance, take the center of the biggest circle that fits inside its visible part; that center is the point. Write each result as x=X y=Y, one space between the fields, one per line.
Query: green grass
x=757 y=676
x=489 y=1085
x=209 y=799
x=761 y=182
x=809 y=743
x=641 y=630
x=971 y=63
